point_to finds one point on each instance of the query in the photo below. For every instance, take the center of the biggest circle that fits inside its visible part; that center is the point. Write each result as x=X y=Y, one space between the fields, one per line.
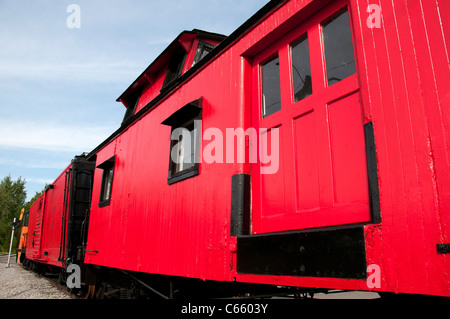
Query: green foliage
x=33 y=199
x=12 y=200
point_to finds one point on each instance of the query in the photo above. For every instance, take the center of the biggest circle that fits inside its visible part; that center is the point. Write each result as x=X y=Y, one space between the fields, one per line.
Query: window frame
x=262 y=64
x=175 y=176
x=292 y=45
x=192 y=112
x=131 y=109
x=312 y=29
x=108 y=168
x=202 y=45
x=326 y=61
x=175 y=67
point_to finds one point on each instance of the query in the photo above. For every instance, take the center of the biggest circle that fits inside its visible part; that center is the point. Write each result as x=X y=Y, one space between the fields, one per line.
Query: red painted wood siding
x=180 y=229
x=404 y=72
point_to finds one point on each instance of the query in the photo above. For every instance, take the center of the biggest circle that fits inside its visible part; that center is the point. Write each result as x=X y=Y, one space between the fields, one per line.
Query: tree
x=34 y=198
x=12 y=200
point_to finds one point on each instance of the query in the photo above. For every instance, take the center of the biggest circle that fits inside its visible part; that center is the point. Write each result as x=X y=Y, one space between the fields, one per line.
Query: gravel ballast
x=18 y=283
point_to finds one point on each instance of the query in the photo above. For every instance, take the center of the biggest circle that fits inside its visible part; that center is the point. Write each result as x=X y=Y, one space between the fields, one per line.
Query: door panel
x=347 y=150
x=274 y=204
x=322 y=172
x=306 y=162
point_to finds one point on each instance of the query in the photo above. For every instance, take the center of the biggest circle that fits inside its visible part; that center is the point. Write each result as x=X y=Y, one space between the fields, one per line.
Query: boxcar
x=58 y=220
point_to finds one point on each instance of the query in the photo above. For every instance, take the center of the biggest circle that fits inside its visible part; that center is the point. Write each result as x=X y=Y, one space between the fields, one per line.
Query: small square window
x=271 y=92
x=338 y=46
x=202 y=50
x=175 y=67
x=185 y=142
x=130 y=110
x=184 y=147
x=301 y=69
x=107 y=181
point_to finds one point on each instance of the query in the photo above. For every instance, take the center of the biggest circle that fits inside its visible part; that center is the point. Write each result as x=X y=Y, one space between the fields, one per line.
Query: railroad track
x=54 y=282
x=51 y=278
x=4 y=258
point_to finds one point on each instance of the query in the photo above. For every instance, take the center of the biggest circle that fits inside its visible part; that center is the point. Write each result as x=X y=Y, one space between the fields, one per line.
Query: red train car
x=308 y=149
x=58 y=219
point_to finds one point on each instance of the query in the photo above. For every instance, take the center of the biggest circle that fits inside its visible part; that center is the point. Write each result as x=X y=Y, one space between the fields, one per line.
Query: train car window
x=130 y=110
x=175 y=66
x=107 y=181
x=337 y=39
x=26 y=217
x=184 y=147
x=185 y=141
x=202 y=50
x=270 y=77
x=301 y=69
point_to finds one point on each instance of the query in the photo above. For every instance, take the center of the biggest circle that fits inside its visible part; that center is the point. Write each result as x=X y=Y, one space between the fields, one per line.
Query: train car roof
x=164 y=58
x=240 y=31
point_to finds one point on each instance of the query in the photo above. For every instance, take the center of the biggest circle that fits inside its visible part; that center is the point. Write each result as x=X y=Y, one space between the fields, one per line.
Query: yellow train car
x=23 y=220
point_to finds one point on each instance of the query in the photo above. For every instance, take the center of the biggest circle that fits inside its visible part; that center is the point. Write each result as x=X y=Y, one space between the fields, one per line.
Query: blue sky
x=58 y=85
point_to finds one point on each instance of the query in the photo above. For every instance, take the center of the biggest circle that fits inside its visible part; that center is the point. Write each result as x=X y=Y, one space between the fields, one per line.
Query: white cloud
x=36 y=163
x=42 y=181
x=52 y=137
x=74 y=72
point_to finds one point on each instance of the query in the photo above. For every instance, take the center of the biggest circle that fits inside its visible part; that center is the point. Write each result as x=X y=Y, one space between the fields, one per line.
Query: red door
x=306 y=97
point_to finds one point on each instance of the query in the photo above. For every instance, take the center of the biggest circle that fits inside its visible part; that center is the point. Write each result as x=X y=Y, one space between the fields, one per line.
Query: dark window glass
x=337 y=39
x=271 y=100
x=184 y=148
x=186 y=124
x=301 y=69
x=107 y=181
x=130 y=110
x=202 y=50
x=175 y=66
x=26 y=217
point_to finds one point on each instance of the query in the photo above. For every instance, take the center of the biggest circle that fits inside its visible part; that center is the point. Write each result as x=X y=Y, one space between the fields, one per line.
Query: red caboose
x=352 y=179
x=308 y=149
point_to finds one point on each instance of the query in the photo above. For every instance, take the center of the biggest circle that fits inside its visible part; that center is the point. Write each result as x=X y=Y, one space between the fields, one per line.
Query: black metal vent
x=338 y=253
